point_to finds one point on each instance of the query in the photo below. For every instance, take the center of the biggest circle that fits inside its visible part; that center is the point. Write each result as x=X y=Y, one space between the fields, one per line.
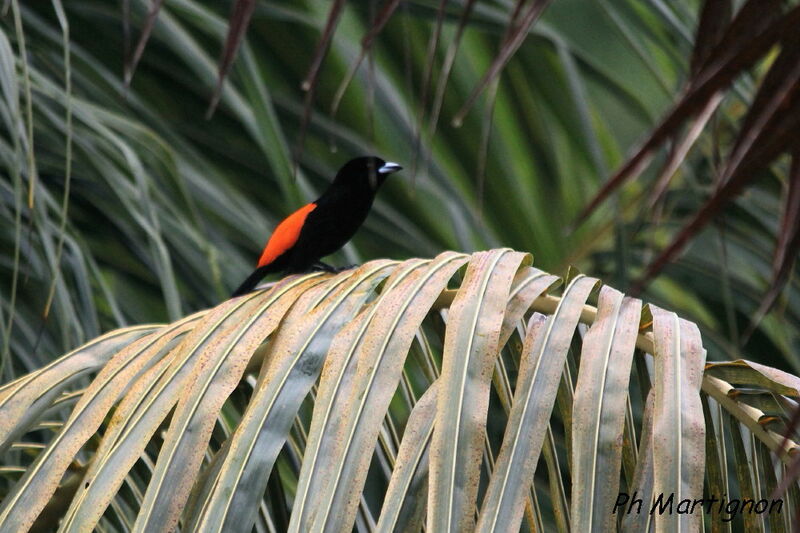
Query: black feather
x=333 y=221
x=252 y=280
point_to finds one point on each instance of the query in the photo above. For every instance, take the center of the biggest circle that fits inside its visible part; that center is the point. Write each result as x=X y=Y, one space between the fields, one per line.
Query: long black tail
x=252 y=280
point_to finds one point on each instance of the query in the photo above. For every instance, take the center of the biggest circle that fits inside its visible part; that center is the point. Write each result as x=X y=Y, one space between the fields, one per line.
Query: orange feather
x=285 y=235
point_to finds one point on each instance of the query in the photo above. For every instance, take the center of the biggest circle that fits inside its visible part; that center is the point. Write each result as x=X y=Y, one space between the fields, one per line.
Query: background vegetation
x=126 y=204
x=167 y=209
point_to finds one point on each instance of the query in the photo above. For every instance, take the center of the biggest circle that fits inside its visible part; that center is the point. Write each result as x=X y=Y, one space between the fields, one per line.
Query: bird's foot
x=319 y=266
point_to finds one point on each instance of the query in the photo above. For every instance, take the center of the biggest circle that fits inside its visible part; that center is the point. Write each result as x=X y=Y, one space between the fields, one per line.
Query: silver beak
x=389 y=167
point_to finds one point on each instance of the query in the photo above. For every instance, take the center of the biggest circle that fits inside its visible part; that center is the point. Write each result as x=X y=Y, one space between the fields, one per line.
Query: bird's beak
x=389 y=167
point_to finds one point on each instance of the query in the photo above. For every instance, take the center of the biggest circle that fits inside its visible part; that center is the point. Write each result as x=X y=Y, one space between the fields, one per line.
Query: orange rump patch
x=285 y=235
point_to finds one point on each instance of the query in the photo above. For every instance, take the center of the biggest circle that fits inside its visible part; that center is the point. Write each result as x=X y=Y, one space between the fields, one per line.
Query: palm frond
x=323 y=392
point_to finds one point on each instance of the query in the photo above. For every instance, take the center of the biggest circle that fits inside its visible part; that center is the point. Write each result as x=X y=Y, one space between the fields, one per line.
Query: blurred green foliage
x=167 y=210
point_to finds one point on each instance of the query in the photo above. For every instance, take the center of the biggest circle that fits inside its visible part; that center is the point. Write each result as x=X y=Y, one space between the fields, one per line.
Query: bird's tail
x=252 y=280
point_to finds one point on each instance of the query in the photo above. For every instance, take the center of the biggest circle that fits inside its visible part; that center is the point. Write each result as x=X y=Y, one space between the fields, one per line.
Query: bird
x=321 y=227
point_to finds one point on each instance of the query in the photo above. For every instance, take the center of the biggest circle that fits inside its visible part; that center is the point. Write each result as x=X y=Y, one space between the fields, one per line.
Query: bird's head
x=367 y=172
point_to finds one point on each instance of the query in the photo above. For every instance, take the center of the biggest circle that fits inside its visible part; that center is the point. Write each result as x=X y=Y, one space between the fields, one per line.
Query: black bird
x=323 y=226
